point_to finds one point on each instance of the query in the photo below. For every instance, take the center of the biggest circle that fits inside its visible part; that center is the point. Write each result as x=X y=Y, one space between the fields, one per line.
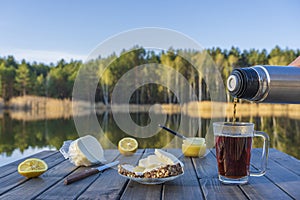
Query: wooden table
x=200 y=181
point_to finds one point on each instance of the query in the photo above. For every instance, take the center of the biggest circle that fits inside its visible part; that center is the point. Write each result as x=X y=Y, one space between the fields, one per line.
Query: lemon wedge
x=32 y=167
x=127 y=146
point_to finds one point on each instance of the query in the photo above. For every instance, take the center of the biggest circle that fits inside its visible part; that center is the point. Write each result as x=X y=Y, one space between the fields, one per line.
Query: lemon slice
x=32 y=167
x=127 y=146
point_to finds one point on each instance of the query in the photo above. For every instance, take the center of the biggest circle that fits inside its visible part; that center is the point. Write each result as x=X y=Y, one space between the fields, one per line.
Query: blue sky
x=48 y=30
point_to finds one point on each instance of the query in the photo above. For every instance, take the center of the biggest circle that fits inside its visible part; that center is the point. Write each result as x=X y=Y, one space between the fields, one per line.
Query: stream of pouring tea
x=235 y=100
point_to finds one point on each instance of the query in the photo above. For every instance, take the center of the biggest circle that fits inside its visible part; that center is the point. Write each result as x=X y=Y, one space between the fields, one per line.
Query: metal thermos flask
x=262 y=83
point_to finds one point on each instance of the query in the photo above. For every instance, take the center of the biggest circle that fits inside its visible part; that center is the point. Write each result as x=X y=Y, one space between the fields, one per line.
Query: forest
x=57 y=80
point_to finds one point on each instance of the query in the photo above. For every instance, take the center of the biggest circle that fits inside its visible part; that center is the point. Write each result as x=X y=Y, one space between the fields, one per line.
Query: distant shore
x=30 y=108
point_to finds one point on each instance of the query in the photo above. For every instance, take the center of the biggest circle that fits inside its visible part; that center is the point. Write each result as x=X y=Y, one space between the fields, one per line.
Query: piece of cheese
x=151 y=161
x=160 y=165
x=158 y=160
x=167 y=157
x=86 y=151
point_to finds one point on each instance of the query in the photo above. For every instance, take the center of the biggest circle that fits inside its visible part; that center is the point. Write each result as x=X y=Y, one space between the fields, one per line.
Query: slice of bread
x=160 y=165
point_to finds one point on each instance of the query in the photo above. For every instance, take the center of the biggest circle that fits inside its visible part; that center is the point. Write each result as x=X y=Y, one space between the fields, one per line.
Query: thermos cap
x=243 y=83
x=232 y=83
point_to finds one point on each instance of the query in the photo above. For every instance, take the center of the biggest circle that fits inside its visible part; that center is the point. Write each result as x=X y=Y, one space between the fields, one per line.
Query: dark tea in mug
x=233 y=143
x=233 y=156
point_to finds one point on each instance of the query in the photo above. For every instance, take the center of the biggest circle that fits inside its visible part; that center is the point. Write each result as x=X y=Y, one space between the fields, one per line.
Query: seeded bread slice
x=161 y=172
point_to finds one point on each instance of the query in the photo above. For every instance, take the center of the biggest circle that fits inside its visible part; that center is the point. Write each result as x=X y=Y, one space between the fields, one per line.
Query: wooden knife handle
x=80 y=175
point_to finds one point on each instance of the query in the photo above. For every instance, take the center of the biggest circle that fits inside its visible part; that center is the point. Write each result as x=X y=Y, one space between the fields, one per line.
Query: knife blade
x=88 y=172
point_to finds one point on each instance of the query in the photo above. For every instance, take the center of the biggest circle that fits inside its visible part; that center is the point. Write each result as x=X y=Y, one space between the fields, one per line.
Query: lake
x=20 y=138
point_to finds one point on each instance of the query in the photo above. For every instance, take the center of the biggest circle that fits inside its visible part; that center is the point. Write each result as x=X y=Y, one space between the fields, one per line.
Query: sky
x=48 y=30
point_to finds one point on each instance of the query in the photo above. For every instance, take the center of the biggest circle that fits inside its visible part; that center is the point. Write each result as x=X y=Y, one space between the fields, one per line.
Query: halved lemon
x=32 y=167
x=127 y=146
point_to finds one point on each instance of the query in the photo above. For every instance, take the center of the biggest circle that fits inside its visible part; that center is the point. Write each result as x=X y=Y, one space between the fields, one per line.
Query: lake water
x=20 y=138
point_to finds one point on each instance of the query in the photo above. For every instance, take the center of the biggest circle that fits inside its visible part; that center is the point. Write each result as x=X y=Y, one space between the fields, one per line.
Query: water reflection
x=22 y=135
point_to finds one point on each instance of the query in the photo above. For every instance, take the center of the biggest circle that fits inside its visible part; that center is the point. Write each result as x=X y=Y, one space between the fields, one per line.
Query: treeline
x=57 y=80
x=18 y=79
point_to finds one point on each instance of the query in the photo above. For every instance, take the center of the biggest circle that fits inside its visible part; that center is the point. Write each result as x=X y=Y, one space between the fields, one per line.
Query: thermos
x=261 y=83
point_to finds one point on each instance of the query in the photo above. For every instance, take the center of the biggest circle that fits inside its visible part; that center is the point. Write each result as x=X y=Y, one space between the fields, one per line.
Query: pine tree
x=23 y=78
x=7 y=75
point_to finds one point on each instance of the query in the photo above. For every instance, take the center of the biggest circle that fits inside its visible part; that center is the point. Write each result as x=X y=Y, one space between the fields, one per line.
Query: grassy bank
x=245 y=110
x=38 y=108
x=206 y=109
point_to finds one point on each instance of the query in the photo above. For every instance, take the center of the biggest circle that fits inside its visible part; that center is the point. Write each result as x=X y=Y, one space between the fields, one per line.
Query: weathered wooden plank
x=236 y=190
x=111 y=155
x=67 y=191
x=73 y=190
x=285 y=160
x=262 y=188
x=281 y=181
x=279 y=175
x=139 y=191
x=31 y=189
x=109 y=185
x=206 y=167
x=34 y=187
x=11 y=181
x=186 y=186
x=270 y=189
x=214 y=189
x=11 y=167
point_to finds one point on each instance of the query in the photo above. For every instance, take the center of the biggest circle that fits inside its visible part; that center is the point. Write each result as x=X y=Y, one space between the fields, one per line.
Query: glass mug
x=233 y=142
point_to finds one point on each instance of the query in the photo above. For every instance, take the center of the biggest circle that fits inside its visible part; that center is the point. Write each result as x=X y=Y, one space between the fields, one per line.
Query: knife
x=88 y=172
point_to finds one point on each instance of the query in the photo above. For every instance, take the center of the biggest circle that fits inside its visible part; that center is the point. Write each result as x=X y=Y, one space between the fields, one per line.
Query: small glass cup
x=233 y=143
x=194 y=147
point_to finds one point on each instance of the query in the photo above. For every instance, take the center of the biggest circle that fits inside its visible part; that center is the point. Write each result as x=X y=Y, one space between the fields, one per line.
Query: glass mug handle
x=265 y=153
